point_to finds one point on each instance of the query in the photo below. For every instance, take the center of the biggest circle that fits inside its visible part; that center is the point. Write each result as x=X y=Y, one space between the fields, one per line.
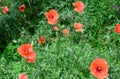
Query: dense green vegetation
x=66 y=57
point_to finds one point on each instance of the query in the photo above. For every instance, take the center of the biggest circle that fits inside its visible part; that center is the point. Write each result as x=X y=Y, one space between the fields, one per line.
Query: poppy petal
x=5 y=9
x=31 y=57
x=117 y=28
x=23 y=76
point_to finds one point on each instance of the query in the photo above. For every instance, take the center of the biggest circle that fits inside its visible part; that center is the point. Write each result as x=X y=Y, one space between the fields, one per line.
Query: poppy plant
x=52 y=16
x=79 y=6
x=5 y=9
x=22 y=8
x=117 y=28
x=23 y=76
x=99 y=68
x=65 y=32
x=27 y=52
x=78 y=27
x=41 y=40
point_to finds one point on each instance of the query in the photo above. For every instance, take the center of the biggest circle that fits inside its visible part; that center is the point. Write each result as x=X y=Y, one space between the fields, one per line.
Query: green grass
x=67 y=57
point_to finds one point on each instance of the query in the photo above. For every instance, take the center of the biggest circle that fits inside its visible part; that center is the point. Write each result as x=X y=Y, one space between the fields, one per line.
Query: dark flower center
x=42 y=40
x=22 y=8
x=52 y=16
x=26 y=51
x=99 y=69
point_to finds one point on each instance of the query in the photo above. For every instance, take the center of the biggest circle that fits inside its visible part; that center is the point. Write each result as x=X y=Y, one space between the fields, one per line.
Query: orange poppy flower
x=31 y=57
x=22 y=8
x=25 y=49
x=41 y=40
x=117 y=28
x=27 y=52
x=99 y=68
x=65 y=32
x=79 y=6
x=78 y=27
x=23 y=76
x=55 y=28
x=52 y=16
x=5 y=9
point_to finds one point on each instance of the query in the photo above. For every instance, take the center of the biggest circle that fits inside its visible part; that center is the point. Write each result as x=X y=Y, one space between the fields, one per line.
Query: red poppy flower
x=65 y=32
x=25 y=49
x=23 y=76
x=78 y=27
x=5 y=9
x=27 y=52
x=99 y=68
x=55 y=28
x=41 y=40
x=79 y=6
x=52 y=16
x=22 y=8
x=117 y=28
